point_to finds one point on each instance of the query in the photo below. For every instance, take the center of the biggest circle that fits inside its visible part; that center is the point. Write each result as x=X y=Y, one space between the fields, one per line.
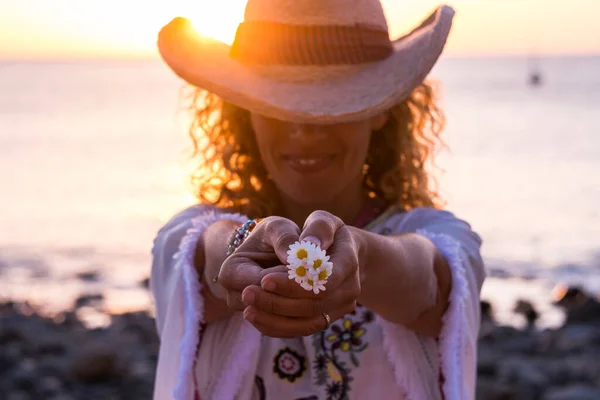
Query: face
x=315 y=164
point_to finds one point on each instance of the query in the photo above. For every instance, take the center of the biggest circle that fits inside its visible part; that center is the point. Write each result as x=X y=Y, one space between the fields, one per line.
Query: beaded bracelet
x=238 y=236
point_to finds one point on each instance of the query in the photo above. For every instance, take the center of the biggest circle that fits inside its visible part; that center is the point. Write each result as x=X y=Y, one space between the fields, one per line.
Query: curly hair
x=229 y=173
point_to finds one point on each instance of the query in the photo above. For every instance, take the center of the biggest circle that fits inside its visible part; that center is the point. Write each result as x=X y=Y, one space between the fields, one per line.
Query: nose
x=308 y=131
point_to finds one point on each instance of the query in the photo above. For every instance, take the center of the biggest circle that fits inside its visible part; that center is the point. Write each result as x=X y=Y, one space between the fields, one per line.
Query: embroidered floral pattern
x=336 y=352
x=348 y=337
x=289 y=365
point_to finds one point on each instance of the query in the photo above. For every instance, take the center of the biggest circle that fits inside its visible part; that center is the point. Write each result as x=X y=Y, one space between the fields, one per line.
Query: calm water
x=92 y=164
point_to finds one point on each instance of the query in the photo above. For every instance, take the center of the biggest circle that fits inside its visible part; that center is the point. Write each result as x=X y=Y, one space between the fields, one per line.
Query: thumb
x=320 y=229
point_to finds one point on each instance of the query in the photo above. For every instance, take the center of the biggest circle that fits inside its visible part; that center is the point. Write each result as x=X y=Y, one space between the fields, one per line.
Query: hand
x=264 y=251
x=280 y=307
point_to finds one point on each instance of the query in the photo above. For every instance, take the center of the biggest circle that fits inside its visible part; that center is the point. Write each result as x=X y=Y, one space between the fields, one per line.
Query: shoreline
x=58 y=357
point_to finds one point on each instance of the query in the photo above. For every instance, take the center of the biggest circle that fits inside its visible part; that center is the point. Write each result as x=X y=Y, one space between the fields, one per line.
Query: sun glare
x=218 y=20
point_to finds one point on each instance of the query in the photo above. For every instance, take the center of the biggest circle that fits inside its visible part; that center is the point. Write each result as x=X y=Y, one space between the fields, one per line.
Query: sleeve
x=175 y=287
x=458 y=340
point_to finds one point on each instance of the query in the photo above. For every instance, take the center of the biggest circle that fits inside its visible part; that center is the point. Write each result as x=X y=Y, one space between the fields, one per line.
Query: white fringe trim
x=455 y=318
x=396 y=343
x=193 y=301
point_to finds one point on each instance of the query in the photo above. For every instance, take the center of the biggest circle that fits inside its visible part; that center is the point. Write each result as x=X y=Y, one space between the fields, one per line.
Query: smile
x=308 y=164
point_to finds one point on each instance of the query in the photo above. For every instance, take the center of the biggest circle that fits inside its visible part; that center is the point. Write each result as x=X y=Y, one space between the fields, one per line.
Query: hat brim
x=205 y=62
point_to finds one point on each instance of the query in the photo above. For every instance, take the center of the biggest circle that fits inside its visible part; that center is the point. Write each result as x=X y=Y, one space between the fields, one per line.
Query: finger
x=235 y=302
x=343 y=254
x=279 y=234
x=238 y=272
x=320 y=228
x=280 y=284
x=277 y=268
x=280 y=326
x=289 y=307
x=234 y=297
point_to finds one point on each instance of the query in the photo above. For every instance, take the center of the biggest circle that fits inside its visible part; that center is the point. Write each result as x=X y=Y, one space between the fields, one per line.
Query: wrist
x=360 y=239
x=214 y=241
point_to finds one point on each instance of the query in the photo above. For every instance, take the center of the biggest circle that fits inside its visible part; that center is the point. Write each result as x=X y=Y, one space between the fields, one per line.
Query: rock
x=88 y=300
x=145 y=283
x=70 y=320
x=106 y=391
x=487 y=361
x=498 y=273
x=575 y=392
x=522 y=344
x=63 y=396
x=49 y=386
x=500 y=334
x=557 y=371
x=23 y=377
x=18 y=395
x=486 y=310
x=14 y=351
x=524 y=375
x=11 y=335
x=139 y=324
x=488 y=324
x=6 y=364
x=580 y=307
x=526 y=309
x=51 y=345
x=573 y=338
x=95 y=366
x=88 y=276
x=490 y=389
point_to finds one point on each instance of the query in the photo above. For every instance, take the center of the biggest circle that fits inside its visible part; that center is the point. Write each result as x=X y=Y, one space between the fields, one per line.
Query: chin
x=309 y=194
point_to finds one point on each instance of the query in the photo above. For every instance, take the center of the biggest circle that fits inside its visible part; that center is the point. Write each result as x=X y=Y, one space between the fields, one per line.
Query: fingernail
x=248 y=297
x=313 y=240
x=249 y=316
x=269 y=286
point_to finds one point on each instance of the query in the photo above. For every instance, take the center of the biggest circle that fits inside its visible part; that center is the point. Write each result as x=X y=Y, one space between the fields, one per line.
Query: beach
x=58 y=357
x=92 y=163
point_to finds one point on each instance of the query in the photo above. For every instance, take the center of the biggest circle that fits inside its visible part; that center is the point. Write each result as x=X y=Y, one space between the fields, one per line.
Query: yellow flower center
x=322 y=275
x=317 y=263
x=302 y=254
x=310 y=282
x=301 y=271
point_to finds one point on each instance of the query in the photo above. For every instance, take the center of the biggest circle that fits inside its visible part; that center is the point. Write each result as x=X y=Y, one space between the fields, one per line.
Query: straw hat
x=309 y=61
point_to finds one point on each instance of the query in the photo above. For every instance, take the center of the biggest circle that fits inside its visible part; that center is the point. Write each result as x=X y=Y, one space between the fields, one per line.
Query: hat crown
x=318 y=12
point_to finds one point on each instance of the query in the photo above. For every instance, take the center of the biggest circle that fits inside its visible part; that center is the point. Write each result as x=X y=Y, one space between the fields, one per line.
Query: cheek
x=267 y=148
x=356 y=151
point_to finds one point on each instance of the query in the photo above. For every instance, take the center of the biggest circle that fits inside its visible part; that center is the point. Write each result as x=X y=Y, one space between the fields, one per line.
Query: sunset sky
x=127 y=28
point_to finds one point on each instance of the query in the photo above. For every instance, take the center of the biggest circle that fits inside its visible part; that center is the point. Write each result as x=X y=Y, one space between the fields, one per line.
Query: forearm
x=211 y=251
x=404 y=279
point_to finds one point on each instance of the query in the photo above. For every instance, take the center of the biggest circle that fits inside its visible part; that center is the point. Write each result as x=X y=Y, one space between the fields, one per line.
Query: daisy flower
x=298 y=272
x=323 y=272
x=309 y=266
x=300 y=253
x=314 y=285
x=319 y=259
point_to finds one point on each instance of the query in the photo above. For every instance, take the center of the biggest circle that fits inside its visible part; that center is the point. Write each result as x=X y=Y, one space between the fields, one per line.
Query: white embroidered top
x=360 y=356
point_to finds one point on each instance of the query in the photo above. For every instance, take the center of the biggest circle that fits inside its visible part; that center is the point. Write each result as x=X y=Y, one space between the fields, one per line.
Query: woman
x=316 y=122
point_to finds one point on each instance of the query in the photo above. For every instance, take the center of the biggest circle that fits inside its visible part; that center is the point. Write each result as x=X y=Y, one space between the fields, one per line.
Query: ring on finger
x=327 y=321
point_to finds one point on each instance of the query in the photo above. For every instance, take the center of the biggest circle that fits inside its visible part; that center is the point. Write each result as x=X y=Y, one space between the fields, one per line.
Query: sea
x=93 y=161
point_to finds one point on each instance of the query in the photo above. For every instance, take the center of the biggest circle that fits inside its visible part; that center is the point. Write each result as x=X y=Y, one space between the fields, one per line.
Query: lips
x=308 y=164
